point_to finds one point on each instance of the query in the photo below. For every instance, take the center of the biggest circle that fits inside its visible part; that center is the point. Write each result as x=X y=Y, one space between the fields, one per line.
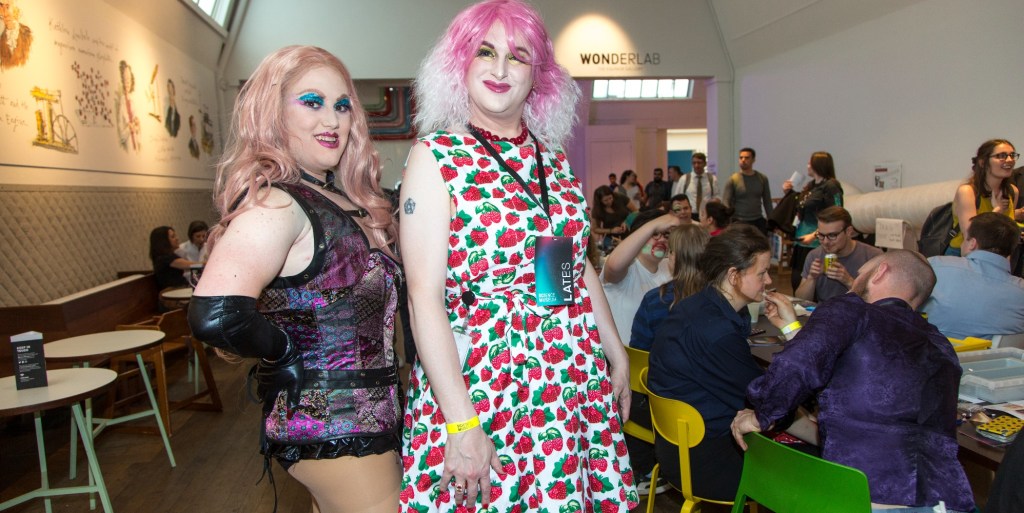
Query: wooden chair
x=637 y=363
x=786 y=480
x=178 y=339
x=682 y=425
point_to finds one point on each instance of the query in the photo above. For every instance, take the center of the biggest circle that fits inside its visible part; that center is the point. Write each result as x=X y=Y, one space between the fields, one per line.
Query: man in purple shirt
x=886 y=383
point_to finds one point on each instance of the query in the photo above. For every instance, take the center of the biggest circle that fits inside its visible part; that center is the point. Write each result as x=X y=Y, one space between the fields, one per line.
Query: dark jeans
x=641 y=453
x=796 y=264
x=759 y=223
x=715 y=466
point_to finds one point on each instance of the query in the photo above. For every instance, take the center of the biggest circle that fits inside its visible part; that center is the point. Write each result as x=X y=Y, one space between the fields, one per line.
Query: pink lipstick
x=497 y=87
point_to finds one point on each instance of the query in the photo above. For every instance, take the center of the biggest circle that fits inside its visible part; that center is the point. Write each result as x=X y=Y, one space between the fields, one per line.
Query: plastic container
x=995 y=375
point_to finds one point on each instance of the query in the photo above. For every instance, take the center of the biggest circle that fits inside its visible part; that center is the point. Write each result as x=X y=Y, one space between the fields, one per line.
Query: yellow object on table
x=970 y=344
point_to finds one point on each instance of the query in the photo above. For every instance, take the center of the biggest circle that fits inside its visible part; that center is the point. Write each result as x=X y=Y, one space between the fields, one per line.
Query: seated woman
x=608 y=217
x=167 y=266
x=700 y=355
x=717 y=216
x=988 y=189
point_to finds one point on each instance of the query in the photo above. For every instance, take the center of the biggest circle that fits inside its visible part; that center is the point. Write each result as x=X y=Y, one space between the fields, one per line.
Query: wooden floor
x=218 y=464
x=217 y=457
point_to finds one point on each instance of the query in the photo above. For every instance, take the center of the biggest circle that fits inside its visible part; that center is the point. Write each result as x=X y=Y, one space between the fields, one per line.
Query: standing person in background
x=515 y=401
x=748 y=192
x=657 y=190
x=681 y=208
x=302 y=276
x=989 y=189
x=613 y=182
x=699 y=185
x=822 y=191
x=630 y=186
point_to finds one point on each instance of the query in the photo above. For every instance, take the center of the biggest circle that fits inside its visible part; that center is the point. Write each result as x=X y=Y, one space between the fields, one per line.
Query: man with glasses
x=835 y=233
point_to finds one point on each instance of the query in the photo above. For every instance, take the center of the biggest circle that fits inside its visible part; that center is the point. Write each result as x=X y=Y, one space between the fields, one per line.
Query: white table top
x=185 y=293
x=64 y=386
x=107 y=343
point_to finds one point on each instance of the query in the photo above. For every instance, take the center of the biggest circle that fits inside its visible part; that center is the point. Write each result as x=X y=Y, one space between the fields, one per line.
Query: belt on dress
x=336 y=379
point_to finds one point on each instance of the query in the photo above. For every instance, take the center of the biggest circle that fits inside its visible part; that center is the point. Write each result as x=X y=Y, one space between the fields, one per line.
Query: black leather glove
x=284 y=374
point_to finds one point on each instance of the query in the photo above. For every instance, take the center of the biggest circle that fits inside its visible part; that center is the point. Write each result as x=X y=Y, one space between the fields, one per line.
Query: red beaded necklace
x=517 y=140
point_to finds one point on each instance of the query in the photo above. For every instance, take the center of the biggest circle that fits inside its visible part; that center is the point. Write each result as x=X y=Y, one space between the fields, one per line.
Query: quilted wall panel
x=56 y=241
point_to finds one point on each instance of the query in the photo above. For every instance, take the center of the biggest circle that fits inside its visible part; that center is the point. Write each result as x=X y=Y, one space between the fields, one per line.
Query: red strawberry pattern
x=529 y=369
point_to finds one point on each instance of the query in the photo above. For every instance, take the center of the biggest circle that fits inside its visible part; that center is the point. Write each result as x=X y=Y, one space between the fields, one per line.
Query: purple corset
x=340 y=312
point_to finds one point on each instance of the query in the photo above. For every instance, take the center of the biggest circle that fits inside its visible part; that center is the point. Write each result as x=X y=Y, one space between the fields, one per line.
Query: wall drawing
x=93 y=102
x=16 y=39
x=129 y=129
x=53 y=129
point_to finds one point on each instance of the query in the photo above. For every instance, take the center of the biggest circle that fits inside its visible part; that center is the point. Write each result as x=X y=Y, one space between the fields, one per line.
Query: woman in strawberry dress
x=515 y=401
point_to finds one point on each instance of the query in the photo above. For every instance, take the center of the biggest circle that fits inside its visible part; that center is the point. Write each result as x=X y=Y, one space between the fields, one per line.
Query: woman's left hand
x=808 y=238
x=620 y=390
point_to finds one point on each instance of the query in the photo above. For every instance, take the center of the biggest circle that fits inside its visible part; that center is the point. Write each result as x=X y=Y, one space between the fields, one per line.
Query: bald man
x=886 y=383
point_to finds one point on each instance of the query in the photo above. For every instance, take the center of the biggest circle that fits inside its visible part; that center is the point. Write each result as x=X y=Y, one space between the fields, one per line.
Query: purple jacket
x=887 y=386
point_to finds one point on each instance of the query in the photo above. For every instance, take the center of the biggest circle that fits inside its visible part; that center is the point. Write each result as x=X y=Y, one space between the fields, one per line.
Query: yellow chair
x=637 y=363
x=682 y=425
x=970 y=344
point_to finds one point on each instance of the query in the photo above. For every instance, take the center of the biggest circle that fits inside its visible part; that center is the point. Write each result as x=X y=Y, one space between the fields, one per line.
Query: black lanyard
x=541 y=175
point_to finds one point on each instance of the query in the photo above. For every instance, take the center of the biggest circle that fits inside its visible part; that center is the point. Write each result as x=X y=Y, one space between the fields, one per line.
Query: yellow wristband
x=791 y=327
x=461 y=427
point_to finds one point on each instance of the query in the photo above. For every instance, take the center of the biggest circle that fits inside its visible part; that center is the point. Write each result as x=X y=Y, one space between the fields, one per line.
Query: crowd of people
x=520 y=387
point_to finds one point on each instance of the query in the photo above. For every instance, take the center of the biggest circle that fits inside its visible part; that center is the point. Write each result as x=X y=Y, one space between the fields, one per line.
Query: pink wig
x=257 y=152
x=440 y=87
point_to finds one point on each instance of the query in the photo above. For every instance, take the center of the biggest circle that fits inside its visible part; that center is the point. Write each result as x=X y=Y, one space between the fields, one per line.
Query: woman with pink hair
x=302 y=276
x=515 y=401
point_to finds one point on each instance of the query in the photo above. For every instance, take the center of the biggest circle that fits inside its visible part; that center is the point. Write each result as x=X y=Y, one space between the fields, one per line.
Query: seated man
x=997 y=306
x=835 y=232
x=886 y=383
x=682 y=209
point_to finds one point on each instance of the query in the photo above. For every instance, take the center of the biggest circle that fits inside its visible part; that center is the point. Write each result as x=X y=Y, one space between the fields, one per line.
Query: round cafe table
x=96 y=346
x=65 y=387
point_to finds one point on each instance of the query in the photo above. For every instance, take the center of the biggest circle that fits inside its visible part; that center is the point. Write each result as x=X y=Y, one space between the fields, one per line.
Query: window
x=217 y=10
x=643 y=89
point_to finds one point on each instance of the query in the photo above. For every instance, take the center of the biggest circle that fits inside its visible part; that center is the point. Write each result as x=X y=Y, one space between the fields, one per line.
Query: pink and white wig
x=440 y=86
x=257 y=154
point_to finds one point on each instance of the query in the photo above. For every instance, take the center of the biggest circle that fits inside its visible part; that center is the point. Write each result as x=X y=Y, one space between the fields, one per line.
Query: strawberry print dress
x=536 y=374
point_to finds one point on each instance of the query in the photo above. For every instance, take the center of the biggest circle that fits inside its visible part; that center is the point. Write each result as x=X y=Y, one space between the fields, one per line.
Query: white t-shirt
x=625 y=296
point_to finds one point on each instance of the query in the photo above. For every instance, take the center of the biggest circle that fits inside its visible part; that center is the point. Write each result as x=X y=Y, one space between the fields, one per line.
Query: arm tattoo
x=410 y=206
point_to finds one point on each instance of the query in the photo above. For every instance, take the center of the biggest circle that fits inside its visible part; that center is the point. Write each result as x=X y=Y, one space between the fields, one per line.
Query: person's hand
x=620 y=390
x=787 y=186
x=284 y=374
x=838 y=272
x=808 y=238
x=815 y=270
x=744 y=422
x=620 y=229
x=666 y=222
x=778 y=309
x=468 y=459
x=1000 y=203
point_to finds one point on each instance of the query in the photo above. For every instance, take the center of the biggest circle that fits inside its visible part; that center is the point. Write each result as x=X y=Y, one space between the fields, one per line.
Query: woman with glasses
x=989 y=188
x=822 y=191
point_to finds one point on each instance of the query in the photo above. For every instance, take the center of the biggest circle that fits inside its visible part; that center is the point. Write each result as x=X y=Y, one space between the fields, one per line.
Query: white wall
x=75 y=53
x=924 y=86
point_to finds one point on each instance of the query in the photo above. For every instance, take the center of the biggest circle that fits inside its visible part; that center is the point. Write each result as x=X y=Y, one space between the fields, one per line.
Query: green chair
x=682 y=425
x=637 y=363
x=786 y=480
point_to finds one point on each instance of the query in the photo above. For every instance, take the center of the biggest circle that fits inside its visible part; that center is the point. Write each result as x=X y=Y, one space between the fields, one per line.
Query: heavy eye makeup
x=311 y=100
x=487 y=52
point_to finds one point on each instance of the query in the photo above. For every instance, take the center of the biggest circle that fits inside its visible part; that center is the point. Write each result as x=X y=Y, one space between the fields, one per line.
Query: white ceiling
x=757 y=29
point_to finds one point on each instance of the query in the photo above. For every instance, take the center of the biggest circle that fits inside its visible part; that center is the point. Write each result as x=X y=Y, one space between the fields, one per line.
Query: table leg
x=90 y=454
x=156 y=408
x=44 y=474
